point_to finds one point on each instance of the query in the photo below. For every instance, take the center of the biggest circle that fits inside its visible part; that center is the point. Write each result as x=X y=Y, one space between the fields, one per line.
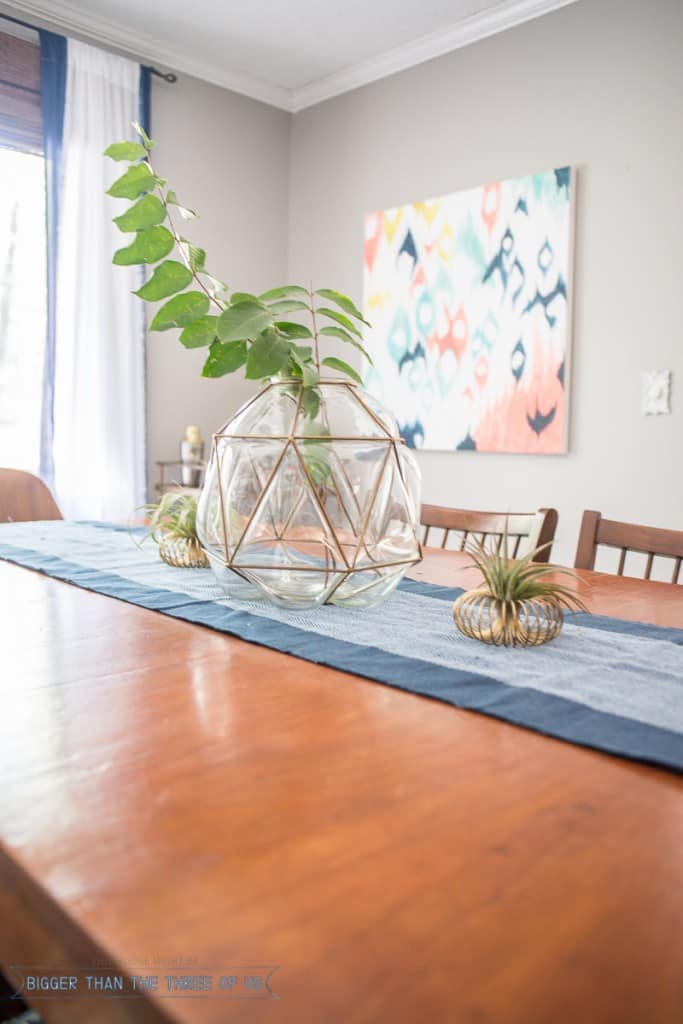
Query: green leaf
x=268 y=355
x=316 y=452
x=342 y=367
x=150 y=246
x=243 y=320
x=133 y=183
x=317 y=460
x=343 y=301
x=339 y=332
x=168 y=278
x=340 y=318
x=291 y=330
x=143 y=135
x=200 y=333
x=195 y=256
x=287 y=306
x=224 y=357
x=215 y=286
x=180 y=311
x=283 y=293
x=304 y=352
x=309 y=373
x=184 y=211
x=147 y=212
x=314 y=431
x=310 y=402
x=126 y=151
x=243 y=297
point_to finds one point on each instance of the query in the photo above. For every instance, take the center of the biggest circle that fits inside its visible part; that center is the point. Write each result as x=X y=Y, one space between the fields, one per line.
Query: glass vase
x=310 y=497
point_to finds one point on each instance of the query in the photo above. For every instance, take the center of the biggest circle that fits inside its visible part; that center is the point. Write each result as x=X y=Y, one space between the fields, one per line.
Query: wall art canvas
x=468 y=297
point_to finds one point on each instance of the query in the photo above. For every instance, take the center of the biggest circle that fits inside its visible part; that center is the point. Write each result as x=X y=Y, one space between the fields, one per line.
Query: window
x=23 y=287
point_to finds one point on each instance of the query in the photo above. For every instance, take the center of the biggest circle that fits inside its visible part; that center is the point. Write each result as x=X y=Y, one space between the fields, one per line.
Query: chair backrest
x=648 y=540
x=488 y=528
x=25 y=498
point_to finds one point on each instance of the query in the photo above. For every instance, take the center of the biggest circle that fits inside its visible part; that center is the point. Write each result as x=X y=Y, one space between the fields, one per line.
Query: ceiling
x=289 y=53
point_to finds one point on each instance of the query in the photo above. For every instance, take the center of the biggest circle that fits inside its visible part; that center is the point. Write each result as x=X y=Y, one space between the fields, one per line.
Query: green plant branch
x=242 y=330
x=212 y=297
x=315 y=329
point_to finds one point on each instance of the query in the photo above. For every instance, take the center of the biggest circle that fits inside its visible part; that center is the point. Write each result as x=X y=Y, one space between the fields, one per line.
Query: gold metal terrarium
x=310 y=497
x=183 y=552
x=480 y=616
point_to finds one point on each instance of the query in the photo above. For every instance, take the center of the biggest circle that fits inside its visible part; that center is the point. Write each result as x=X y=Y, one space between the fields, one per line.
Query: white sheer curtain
x=99 y=404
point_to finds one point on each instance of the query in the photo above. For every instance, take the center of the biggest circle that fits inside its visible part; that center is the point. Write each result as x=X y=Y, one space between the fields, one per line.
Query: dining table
x=177 y=803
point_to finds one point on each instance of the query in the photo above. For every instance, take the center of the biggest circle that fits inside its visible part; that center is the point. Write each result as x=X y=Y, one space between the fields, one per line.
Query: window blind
x=21 y=123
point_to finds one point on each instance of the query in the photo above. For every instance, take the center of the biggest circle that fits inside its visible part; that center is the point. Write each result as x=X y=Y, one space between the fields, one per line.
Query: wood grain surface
x=173 y=795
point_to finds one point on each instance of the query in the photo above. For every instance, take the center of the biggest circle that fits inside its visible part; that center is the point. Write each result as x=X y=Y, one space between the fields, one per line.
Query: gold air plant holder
x=183 y=553
x=172 y=525
x=518 y=605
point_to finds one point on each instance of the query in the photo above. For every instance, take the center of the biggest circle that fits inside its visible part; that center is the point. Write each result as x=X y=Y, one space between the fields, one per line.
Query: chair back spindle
x=652 y=541
x=488 y=528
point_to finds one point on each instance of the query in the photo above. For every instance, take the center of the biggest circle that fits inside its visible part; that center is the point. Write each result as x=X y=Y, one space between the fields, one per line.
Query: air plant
x=174 y=516
x=518 y=604
x=172 y=524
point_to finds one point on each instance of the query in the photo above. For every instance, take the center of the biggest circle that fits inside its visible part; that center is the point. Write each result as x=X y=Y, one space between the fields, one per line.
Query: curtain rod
x=167 y=76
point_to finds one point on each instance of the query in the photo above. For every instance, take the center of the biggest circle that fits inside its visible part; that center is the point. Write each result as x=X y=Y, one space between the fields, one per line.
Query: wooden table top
x=172 y=794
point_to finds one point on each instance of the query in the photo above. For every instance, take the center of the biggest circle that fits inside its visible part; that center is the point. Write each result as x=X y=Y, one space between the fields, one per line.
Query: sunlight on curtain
x=22 y=307
x=99 y=391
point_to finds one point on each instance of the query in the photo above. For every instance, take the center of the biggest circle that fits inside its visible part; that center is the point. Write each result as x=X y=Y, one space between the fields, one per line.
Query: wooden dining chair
x=25 y=498
x=488 y=528
x=646 y=540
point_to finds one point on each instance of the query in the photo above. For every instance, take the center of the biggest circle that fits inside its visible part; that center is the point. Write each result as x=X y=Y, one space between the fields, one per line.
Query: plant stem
x=315 y=328
x=176 y=237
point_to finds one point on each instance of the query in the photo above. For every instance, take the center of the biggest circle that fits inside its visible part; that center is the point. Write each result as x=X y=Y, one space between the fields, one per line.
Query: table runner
x=605 y=683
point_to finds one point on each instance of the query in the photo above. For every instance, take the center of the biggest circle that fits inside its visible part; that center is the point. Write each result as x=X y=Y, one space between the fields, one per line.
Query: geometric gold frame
x=528 y=623
x=352 y=552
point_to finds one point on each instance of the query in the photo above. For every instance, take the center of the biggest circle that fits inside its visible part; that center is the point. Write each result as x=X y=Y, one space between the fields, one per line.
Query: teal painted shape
x=425 y=314
x=550 y=191
x=399 y=340
x=443 y=285
x=485 y=337
x=470 y=241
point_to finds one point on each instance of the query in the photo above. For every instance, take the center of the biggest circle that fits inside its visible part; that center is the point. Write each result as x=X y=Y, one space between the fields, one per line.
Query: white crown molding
x=93 y=28
x=469 y=30
x=62 y=15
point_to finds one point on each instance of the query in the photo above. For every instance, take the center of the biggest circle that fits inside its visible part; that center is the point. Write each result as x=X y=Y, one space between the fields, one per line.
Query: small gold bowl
x=480 y=616
x=183 y=553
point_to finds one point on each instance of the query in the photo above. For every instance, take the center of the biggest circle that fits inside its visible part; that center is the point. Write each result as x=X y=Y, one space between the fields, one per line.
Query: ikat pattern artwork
x=468 y=300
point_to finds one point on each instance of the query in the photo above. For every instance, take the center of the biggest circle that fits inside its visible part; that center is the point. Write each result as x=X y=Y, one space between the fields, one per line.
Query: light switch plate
x=656 y=392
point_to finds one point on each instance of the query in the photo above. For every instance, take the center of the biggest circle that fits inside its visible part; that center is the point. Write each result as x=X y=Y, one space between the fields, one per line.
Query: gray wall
x=599 y=85
x=226 y=156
